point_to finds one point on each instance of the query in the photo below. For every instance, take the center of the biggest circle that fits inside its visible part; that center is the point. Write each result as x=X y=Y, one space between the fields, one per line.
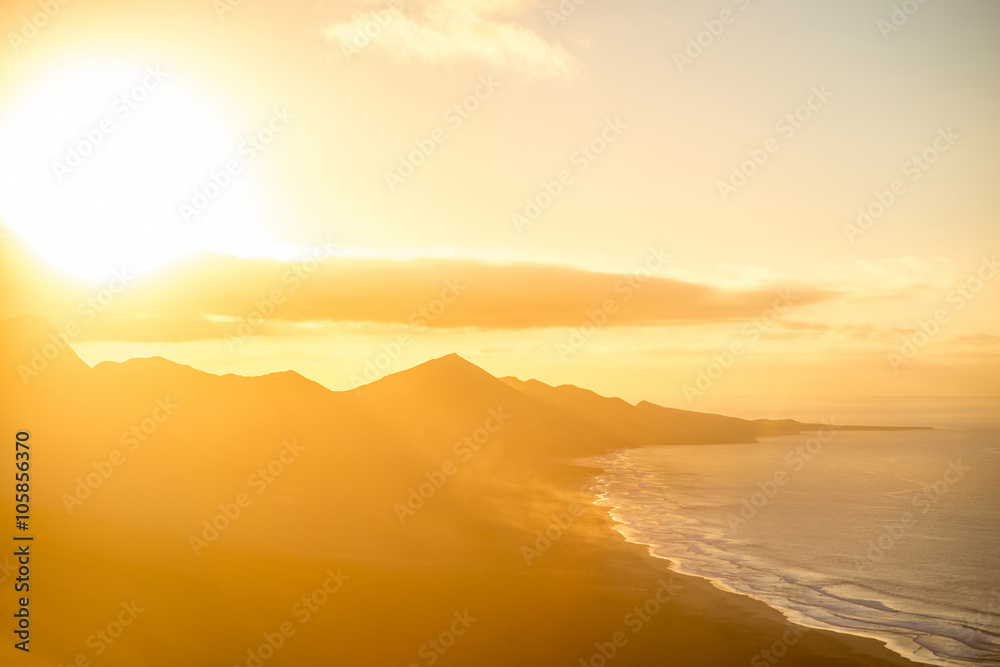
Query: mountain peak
x=450 y=373
x=447 y=368
x=453 y=360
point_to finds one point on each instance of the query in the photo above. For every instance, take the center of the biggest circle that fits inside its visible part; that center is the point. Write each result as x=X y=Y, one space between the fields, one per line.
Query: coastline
x=676 y=509
x=758 y=625
x=588 y=594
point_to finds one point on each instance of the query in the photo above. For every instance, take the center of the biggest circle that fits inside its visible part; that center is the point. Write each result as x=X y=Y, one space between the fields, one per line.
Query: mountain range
x=216 y=502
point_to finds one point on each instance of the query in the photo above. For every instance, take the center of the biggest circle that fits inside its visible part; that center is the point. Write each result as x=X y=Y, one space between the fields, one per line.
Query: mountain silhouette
x=425 y=485
x=367 y=446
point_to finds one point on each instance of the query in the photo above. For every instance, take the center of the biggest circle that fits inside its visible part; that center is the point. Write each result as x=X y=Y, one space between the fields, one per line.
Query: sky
x=682 y=202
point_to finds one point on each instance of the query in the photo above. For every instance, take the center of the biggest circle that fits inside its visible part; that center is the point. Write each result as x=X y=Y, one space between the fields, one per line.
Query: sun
x=111 y=164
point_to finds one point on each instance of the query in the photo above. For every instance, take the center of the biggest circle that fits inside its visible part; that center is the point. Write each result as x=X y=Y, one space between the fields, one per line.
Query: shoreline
x=677 y=566
x=567 y=605
x=926 y=629
x=757 y=616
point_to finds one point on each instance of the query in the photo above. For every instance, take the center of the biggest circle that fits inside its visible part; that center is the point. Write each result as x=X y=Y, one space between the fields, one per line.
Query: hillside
x=211 y=497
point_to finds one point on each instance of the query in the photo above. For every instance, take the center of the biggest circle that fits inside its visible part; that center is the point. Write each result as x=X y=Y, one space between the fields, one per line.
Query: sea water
x=893 y=535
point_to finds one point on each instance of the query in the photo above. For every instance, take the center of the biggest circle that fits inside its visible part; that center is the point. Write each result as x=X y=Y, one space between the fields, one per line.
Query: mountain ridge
x=440 y=395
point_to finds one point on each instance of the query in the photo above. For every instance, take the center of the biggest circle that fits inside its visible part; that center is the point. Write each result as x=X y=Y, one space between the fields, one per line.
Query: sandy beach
x=588 y=599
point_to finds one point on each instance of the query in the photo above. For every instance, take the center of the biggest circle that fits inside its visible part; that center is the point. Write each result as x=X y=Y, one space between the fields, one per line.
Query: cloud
x=435 y=31
x=206 y=299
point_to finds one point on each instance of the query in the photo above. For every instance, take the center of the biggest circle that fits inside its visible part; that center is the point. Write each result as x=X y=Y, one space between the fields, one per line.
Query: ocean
x=891 y=535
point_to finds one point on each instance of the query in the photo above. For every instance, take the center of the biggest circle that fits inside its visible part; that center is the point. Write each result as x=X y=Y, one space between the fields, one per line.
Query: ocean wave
x=910 y=621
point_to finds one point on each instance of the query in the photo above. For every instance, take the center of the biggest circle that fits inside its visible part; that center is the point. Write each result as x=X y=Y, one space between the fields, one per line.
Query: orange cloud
x=206 y=299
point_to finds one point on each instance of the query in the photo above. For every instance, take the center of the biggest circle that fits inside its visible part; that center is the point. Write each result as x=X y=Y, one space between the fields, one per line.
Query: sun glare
x=110 y=164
